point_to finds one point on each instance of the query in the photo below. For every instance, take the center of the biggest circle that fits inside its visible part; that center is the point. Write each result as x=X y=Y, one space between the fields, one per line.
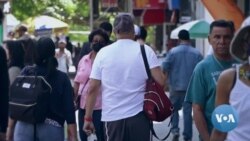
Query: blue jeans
x=177 y=98
x=96 y=121
x=44 y=132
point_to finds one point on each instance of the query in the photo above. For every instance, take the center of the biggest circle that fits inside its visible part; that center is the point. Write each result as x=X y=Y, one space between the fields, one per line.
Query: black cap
x=184 y=35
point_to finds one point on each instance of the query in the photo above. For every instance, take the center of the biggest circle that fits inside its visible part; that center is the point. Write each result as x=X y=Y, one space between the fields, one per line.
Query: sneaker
x=175 y=137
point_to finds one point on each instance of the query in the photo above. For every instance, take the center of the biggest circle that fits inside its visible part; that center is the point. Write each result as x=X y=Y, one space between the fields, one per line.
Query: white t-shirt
x=64 y=61
x=123 y=76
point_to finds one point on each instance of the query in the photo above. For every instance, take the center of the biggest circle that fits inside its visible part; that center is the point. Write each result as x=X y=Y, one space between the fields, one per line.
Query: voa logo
x=224 y=118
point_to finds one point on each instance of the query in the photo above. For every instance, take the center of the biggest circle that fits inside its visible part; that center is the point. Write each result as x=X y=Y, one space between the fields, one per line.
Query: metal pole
x=164 y=36
x=130 y=6
x=91 y=15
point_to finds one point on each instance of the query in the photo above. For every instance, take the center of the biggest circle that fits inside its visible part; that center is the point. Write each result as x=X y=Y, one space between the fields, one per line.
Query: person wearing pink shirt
x=98 y=39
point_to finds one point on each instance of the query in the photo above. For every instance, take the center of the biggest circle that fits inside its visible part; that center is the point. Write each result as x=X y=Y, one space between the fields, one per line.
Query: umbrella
x=11 y=20
x=197 y=29
x=47 y=22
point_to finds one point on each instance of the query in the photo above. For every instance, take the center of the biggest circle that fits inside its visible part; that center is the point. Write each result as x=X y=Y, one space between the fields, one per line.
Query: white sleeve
x=69 y=59
x=96 y=68
x=153 y=61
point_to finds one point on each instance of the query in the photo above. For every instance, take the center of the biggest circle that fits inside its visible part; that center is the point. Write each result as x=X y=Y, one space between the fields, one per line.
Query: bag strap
x=144 y=56
x=149 y=77
x=84 y=86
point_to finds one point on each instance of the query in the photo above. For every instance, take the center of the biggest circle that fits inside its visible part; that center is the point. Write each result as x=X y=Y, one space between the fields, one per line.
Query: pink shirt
x=82 y=76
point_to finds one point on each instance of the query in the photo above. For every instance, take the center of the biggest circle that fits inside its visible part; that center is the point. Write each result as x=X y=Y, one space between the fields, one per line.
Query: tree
x=70 y=11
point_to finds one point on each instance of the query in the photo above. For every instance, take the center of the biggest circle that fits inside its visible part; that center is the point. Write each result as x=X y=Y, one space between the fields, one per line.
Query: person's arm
x=223 y=89
x=72 y=133
x=94 y=87
x=69 y=110
x=76 y=88
x=10 y=129
x=166 y=65
x=158 y=75
x=200 y=121
x=69 y=56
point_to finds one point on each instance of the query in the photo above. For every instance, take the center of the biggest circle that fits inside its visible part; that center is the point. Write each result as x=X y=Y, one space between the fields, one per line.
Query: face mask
x=97 y=46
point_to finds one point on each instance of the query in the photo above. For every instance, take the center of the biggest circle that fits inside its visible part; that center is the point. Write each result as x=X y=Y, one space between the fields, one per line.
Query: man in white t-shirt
x=119 y=71
x=63 y=56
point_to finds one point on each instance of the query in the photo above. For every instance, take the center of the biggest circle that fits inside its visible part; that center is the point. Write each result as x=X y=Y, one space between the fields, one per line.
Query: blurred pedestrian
x=29 y=49
x=107 y=27
x=15 y=57
x=202 y=86
x=63 y=56
x=61 y=100
x=122 y=79
x=233 y=87
x=143 y=34
x=98 y=39
x=11 y=35
x=22 y=32
x=69 y=45
x=178 y=68
x=4 y=89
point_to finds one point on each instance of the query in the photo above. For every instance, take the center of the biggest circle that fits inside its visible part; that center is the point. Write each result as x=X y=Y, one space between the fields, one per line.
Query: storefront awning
x=151 y=12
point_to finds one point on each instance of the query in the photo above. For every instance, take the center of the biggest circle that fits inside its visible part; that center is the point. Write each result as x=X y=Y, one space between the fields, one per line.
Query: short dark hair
x=222 y=23
x=183 y=35
x=106 y=26
x=23 y=28
x=143 y=33
x=99 y=32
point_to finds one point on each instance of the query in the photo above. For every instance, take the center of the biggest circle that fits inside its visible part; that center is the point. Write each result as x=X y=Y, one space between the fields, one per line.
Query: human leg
x=23 y=132
x=188 y=121
x=177 y=104
x=98 y=124
x=48 y=132
x=138 y=128
x=114 y=130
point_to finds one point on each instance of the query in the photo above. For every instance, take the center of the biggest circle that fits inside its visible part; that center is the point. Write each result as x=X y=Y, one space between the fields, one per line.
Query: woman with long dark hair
x=61 y=107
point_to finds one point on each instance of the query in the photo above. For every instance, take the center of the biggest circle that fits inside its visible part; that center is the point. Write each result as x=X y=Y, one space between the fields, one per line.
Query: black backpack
x=29 y=99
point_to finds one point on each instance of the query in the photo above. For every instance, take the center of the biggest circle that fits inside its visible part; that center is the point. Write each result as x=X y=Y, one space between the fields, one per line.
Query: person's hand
x=88 y=127
x=9 y=134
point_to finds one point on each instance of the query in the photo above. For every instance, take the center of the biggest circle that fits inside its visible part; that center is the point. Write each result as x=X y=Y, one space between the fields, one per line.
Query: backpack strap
x=144 y=56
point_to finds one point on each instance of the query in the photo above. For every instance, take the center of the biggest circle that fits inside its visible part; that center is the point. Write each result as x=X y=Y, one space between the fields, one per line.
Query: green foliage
x=78 y=38
x=24 y=9
x=70 y=11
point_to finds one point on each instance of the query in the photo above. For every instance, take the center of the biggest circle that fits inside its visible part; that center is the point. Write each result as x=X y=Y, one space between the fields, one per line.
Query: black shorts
x=136 y=128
